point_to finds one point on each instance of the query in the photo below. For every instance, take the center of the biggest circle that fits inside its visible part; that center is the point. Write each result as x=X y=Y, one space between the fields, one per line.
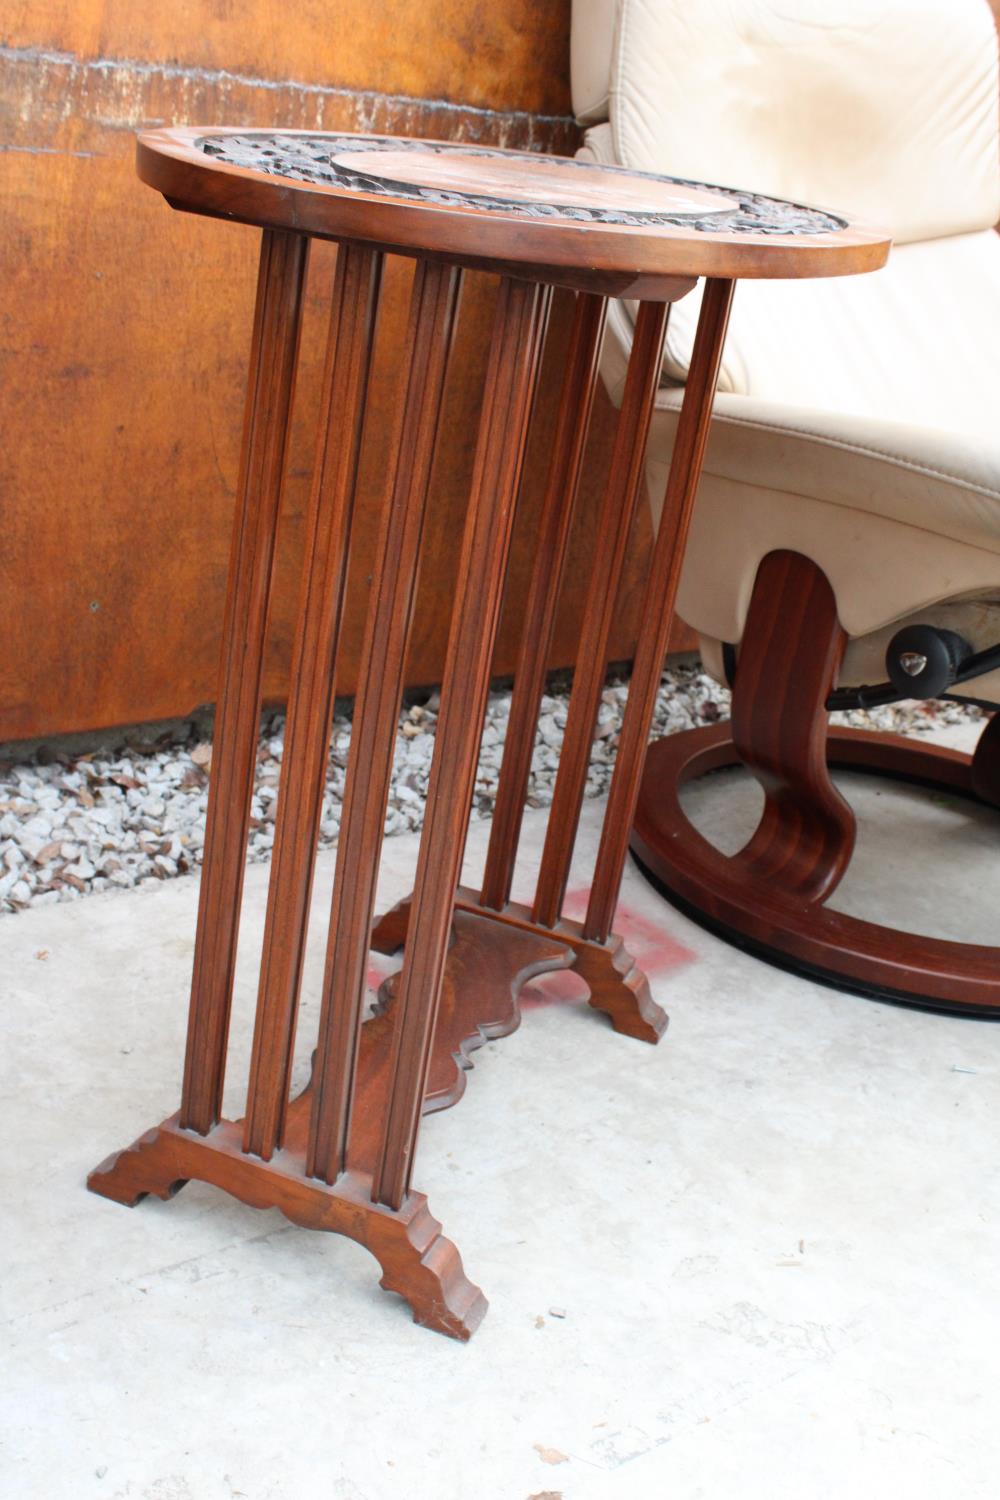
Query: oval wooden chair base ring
x=804 y=935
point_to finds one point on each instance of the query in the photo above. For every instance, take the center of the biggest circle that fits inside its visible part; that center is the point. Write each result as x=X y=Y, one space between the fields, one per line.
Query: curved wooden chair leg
x=769 y=898
x=985 y=770
x=808 y=936
x=792 y=646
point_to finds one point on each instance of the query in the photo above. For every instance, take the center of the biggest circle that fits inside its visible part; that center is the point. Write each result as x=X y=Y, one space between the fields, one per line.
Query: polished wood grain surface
x=514 y=362
x=350 y=340
x=620 y=500
x=340 y=1156
x=369 y=768
x=513 y=178
x=244 y=184
x=661 y=592
x=576 y=403
x=772 y=895
x=487 y=967
x=805 y=837
x=265 y=430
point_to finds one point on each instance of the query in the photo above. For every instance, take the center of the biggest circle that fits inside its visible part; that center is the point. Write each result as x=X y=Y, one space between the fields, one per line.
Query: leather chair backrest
x=886 y=109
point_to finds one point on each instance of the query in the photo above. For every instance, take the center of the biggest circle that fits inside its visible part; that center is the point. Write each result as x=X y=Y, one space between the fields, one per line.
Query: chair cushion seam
x=906 y=522
x=861 y=448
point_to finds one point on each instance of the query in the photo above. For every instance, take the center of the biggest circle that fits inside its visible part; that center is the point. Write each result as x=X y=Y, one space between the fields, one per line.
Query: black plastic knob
x=923 y=661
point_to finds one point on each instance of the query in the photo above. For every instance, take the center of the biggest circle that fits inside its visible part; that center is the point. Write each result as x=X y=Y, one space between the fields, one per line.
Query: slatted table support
x=340 y=1154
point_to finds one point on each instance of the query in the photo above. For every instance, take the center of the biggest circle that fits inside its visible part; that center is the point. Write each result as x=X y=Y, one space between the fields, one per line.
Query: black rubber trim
x=805 y=970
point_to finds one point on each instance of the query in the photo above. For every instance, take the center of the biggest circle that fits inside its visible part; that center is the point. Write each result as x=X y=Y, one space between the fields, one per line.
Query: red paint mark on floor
x=649 y=943
x=652 y=947
x=561 y=988
x=379 y=968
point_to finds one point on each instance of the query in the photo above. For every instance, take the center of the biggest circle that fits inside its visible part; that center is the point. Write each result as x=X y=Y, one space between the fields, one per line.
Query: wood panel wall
x=125 y=330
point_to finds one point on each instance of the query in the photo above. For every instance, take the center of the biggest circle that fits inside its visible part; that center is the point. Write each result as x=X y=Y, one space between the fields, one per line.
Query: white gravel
x=71 y=823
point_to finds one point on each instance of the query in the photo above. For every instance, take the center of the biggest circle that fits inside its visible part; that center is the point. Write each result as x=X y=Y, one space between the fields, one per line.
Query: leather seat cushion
x=884 y=110
x=916 y=342
x=897 y=516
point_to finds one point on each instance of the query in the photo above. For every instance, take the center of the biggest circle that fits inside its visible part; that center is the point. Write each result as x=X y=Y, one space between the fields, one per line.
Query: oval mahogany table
x=339 y=1156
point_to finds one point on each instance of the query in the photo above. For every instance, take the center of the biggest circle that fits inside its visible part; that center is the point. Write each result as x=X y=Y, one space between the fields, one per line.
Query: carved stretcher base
x=797 y=932
x=485 y=972
x=618 y=987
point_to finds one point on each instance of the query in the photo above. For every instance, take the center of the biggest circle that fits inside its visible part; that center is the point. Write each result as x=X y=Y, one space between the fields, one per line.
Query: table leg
x=658 y=605
x=552 y=544
x=237 y=721
x=339 y=1156
x=376 y=710
x=511 y=377
x=613 y=529
x=310 y=705
x=616 y=985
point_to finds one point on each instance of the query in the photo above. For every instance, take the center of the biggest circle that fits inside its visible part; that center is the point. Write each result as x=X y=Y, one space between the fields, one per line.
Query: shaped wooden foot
x=143 y=1168
x=417 y=1260
x=618 y=987
x=486 y=969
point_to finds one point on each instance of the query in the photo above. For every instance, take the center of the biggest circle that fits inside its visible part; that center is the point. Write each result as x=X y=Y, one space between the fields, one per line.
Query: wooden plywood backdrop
x=125 y=330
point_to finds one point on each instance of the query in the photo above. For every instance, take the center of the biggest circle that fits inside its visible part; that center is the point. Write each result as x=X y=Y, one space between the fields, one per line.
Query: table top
x=549 y=216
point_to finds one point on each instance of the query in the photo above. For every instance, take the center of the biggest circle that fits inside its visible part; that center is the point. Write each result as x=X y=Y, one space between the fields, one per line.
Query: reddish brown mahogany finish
x=771 y=894
x=513 y=369
x=310 y=706
x=573 y=421
x=661 y=591
x=620 y=258
x=376 y=708
x=621 y=498
x=805 y=837
x=985 y=771
x=618 y=987
x=269 y=399
x=340 y=1155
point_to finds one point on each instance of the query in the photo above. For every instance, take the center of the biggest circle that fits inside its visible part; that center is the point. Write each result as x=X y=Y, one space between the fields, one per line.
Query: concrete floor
x=757 y=1261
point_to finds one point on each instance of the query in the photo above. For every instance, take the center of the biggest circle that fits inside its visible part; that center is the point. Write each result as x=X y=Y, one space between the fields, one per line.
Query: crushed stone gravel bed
x=120 y=817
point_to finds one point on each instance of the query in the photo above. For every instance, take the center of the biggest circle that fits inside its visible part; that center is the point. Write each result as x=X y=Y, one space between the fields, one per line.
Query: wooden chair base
x=724 y=894
x=485 y=971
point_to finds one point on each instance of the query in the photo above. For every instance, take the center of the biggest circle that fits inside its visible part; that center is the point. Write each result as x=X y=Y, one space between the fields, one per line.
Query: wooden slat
x=624 y=488
x=268 y=408
x=559 y=507
x=376 y=709
x=310 y=708
x=661 y=590
x=514 y=359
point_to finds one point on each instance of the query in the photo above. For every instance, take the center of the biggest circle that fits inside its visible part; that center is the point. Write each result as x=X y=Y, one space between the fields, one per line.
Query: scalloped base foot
x=618 y=987
x=486 y=969
x=417 y=1261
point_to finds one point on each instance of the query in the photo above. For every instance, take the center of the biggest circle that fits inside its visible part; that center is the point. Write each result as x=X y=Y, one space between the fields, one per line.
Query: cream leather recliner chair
x=851 y=489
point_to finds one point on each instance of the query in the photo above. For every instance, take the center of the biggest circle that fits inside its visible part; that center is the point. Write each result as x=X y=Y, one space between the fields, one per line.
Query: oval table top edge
x=170 y=160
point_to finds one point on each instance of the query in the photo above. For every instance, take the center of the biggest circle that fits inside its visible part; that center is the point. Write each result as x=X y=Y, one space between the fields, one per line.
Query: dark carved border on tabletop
x=309 y=158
